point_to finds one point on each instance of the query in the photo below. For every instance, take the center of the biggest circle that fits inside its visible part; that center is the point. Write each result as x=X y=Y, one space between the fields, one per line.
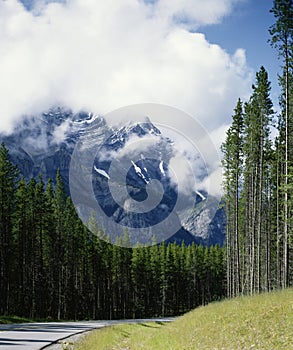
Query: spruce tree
x=8 y=177
x=22 y=251
x=282 y=39
x=232 y=164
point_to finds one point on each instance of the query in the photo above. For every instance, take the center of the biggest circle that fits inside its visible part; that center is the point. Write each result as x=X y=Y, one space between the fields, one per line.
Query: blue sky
x=248 y=27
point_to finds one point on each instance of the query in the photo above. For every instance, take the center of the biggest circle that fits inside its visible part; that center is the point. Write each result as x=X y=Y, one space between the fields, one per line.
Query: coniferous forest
x=258 y=176
x=52 y=266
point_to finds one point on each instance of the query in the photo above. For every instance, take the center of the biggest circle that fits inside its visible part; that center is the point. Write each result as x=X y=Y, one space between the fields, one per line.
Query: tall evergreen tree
x=232 y=164
x=60 y=201
x=257 y=148
x=8 y=177
x=282 y=39
x=20 y=232
x=247 y=172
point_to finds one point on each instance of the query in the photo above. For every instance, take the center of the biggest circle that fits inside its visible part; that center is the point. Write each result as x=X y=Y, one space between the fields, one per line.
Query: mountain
x=126 y=174
x=44 y=143
x=206 y=221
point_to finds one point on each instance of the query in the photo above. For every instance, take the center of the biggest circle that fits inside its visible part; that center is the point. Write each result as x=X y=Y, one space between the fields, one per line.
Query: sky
x=247 y=27
x=197 y=56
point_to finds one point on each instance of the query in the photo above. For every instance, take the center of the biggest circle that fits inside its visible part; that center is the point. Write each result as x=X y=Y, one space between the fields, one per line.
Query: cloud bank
x=99 y=56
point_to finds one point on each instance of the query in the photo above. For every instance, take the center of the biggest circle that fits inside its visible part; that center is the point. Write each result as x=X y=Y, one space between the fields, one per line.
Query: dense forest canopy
x=53 y=266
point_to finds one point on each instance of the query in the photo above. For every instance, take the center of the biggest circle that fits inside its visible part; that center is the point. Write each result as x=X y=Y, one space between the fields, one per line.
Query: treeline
x=52 y=266
x=258 y=177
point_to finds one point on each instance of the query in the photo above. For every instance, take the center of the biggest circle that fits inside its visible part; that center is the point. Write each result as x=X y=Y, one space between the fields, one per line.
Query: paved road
x=36 y=336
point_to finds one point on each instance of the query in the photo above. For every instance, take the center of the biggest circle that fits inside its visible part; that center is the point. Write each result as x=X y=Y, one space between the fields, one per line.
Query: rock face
x=206 y=221
x=42 y=144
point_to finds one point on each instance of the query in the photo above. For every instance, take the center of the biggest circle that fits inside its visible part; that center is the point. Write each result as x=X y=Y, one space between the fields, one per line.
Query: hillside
x=259 y=322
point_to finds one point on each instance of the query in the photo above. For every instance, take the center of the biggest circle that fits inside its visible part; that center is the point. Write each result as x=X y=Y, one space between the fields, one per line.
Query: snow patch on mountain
x=201 y=195
x=161 y=167
x=102 y=172
x=139 y=172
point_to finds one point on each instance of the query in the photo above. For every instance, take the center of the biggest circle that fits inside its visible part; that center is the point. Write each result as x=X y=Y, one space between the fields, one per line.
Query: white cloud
x=103 y=55
x=61 y=131
x=133 y=148
x=213 y=183
x=195 y=13
x=183 y=175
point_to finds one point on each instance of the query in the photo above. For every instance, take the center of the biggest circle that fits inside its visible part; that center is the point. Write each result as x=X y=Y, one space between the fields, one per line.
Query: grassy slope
x=260 y=322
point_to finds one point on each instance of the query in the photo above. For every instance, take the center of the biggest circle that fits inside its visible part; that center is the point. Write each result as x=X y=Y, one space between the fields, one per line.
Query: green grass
x=260 y=322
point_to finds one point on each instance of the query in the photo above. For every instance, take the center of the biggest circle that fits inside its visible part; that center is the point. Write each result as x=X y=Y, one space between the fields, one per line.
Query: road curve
x=37 y=336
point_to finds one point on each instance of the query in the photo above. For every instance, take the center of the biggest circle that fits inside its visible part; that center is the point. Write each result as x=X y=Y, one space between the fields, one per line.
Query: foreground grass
x=259 y=322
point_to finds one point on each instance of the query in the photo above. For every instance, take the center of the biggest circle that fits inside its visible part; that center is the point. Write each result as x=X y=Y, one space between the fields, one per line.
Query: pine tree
x=282 y=39
x=20 y=232
x=232 y=164
x=257 y=149
x=138 y=274
x=51 y=261
x=60 y=200
x=247 y=167
x=8 y=176
x=41 y=232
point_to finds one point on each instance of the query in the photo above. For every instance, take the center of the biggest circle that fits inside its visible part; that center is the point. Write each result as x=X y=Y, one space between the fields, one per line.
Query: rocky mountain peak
x=43 y=143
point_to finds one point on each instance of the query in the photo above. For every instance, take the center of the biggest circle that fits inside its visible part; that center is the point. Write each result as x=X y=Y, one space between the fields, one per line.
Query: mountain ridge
x=45 y=143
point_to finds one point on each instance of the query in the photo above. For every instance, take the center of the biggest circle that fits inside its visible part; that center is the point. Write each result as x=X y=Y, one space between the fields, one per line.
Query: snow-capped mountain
x=44 y=143
x=135 y=156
